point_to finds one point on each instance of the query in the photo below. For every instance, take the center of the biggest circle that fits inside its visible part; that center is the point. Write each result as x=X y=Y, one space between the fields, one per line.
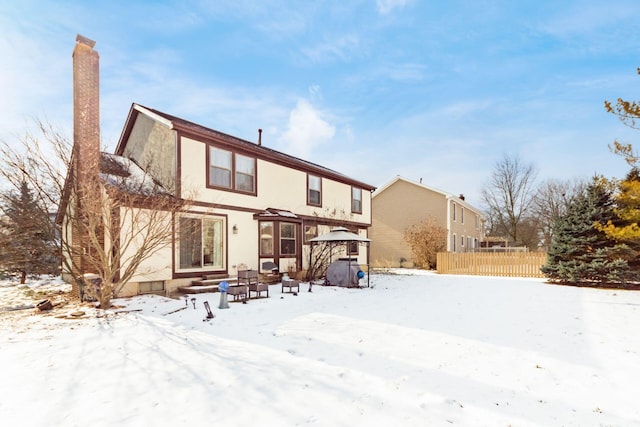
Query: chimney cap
x=85 y=40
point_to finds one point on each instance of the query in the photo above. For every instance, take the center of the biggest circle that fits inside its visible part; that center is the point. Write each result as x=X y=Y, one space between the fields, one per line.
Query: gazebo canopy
x=339 y=234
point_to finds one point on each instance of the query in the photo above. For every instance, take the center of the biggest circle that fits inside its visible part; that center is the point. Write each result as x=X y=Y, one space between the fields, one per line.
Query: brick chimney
x=86 y=110
x=86 y=148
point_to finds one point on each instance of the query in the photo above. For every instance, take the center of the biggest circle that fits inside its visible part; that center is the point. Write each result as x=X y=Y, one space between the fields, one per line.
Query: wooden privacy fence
x=509 y=264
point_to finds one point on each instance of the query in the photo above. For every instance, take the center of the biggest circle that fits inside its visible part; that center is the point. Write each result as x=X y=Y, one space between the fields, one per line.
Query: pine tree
x=580 y=252
x=26 y=236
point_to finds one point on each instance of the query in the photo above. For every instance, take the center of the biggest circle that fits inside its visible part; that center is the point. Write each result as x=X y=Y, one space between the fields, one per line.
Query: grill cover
x=344 y=273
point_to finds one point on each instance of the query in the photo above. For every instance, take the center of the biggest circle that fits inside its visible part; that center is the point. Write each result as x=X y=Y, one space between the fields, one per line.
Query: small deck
x=206 y=284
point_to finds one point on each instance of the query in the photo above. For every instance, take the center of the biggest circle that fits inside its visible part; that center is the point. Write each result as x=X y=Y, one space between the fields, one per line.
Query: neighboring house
x=248 y=204
x=402 y=203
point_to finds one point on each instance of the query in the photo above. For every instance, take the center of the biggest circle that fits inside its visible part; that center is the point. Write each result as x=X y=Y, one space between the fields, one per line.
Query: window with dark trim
x=356 y=200
x=245 y=173
x=220 y=163
x=232 y=171
x=462 y=214
x=310 y=231
x=314 y=190
x=266 y=238
x=201 y=242
x=287 y=238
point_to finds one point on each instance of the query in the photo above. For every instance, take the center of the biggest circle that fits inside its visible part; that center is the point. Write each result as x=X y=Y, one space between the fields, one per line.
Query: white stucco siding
x=281 y=187
x=278 y=186
x=243 y=243
x=158 y=265
x=193 y=169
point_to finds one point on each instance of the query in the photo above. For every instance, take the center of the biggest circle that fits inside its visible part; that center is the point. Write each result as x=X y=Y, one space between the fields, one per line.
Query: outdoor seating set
x=248 y=284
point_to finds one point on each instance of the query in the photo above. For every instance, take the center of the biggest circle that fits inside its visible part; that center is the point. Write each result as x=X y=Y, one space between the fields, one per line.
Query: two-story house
x=402 y=203
x=248 y=204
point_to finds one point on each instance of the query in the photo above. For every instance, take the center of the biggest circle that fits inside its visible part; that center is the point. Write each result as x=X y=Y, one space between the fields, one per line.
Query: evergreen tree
x=580 y=252
x=26 y=236
x=626 y=230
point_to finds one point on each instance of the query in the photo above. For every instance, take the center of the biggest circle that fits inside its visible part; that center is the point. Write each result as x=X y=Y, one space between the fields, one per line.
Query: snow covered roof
x=278 y=212
x=127 y=175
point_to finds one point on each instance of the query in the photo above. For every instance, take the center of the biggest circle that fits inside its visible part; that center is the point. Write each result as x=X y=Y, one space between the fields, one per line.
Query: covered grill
x=342 y=272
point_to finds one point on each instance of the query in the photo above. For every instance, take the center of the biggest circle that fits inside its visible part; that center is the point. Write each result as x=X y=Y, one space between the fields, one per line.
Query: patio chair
x=250 y=279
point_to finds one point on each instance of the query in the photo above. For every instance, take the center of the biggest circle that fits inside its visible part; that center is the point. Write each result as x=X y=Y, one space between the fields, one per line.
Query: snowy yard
x=415 y=349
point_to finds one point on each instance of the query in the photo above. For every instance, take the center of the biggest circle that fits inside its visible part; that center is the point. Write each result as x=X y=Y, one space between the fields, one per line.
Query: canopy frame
x=339 y=236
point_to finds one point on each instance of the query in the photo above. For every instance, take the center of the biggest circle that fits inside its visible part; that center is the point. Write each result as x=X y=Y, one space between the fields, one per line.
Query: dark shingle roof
x=259 y=150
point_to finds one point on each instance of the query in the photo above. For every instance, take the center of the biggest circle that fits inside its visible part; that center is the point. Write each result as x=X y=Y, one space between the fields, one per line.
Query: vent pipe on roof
x=259 y=136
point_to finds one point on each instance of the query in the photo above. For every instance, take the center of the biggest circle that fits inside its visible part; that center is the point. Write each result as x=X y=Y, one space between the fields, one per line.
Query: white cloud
x=386 y=6
x=342 y=48
x=306 y=130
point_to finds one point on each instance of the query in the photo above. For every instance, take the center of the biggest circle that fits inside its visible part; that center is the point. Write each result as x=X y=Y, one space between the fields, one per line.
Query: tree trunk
x=105 y=294
x=23 y=277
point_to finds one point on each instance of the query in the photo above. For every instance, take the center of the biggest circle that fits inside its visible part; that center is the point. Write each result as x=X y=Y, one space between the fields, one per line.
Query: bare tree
x=38 y=160
x=41 y=159
x=324 y=253
x=119 y=218
x=124 y=221
x=550 y=202
x=426 y=239
x=508 y=196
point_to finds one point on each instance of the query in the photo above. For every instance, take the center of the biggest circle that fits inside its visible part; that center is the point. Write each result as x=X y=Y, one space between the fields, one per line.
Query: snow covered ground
x=414 y=349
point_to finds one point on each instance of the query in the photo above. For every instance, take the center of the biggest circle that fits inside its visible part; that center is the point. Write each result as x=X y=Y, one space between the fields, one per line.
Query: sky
x=371 y=88
x=416 y=349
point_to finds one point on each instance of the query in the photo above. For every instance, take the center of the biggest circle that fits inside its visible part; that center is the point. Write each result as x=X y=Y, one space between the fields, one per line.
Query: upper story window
x=462 y=214
x=356 y=200
x=232 y=171
x=245 y=173
x=314 y=190
x=220 y=164
x=454 y=211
